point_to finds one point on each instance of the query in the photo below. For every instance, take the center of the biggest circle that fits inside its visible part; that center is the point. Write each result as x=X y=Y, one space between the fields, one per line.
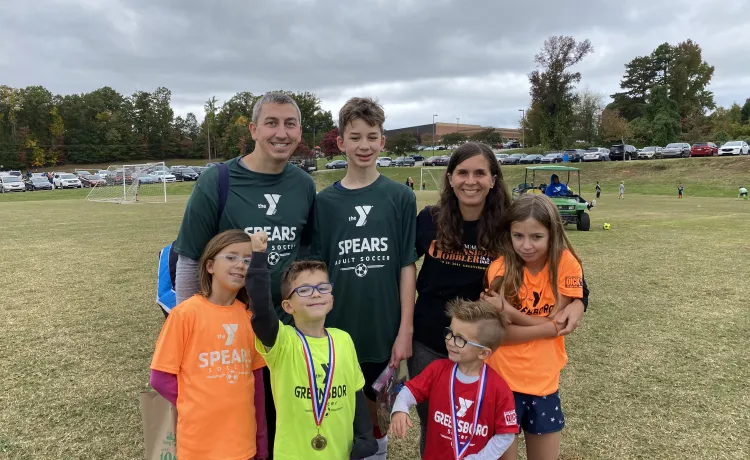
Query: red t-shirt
x=497 y=415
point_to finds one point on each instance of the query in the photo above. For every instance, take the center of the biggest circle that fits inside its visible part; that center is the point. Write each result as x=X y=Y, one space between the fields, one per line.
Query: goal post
x=431 y=178
x=136 y=183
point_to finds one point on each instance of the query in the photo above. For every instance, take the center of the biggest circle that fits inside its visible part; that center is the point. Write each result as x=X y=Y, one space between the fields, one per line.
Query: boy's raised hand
x=400 y=421
x=259 y=241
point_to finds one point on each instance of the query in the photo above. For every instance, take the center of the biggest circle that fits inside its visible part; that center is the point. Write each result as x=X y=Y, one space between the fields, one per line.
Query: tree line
x=664 y=99
x=39 y=129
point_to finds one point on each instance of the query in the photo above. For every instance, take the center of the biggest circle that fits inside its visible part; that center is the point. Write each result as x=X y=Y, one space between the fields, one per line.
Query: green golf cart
x=572 y=207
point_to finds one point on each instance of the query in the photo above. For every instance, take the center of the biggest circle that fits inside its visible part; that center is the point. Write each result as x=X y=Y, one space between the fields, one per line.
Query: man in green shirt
x=265 y=194
x=365 y=227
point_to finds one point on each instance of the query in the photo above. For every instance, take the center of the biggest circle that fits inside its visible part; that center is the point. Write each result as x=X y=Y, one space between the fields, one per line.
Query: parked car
x=511 y=145
x=554 y=157
x=430 y=161
x=183 y=174
x=575 y=155
x=383 y=162
x=442 y=161
x=81 y=172
x=704 y=149
x=734 y=148
x=417 y=157
x=199 y=169
x=66 y=180
x=500 y=156
x=91 y=180
x=12 y=184
x=337 y=164
x=163 y=176
x=649 y=153
x=513 y=158
x=675 y=150
x=146 y=178
x=531 y=159
x=403 y=161
x=596 y=154
x=623 y=152
x=34 y=183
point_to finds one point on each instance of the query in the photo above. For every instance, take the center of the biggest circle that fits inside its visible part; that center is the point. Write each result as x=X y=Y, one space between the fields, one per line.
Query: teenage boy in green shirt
x=364 y=230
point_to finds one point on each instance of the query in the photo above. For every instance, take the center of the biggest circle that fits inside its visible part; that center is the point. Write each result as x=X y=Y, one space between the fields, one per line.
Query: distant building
x=425 y=131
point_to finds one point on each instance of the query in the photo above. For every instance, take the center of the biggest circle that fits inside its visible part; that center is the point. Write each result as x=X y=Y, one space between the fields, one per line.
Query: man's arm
x=365 y=444
x=265 y=322
x=186 y=283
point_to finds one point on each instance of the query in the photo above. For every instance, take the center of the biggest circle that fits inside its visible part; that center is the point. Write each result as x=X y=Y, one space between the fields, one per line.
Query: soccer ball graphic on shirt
x=273 y=258
x=232 y=377
x=360 y=270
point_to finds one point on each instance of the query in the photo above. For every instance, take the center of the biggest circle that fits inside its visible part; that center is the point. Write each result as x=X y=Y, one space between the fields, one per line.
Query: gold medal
x=319 y=442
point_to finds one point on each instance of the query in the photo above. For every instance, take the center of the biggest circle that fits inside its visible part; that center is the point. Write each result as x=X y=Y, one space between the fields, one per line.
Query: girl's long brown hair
x=544 y=211
x=214 y=247
x=450 y=223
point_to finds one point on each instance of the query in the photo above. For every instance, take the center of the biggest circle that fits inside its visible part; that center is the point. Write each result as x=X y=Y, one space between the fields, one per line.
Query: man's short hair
x=274 y=97
x=364 y=108
x=293 y=271
x=490 y=322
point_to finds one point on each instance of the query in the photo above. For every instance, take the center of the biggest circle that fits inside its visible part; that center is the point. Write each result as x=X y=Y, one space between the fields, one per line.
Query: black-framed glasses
x=233 y=259
x=306 y=290
x=459 y=341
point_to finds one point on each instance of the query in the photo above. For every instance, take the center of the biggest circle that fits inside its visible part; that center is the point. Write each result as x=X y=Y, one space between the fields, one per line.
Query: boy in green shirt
x=315 y=377
x=364 y=230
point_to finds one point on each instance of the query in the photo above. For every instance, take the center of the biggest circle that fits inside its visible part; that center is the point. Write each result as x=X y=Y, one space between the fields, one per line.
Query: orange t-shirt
x=534 y=367
x=211 y=349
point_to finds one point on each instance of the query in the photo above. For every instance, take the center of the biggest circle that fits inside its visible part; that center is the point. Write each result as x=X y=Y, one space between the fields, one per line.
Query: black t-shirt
x=443 y=277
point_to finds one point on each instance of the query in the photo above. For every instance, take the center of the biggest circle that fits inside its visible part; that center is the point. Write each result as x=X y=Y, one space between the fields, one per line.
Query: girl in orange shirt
x=534 y=283
x=206 y=349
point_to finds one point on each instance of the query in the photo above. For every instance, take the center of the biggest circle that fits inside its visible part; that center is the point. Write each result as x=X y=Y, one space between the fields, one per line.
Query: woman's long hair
x=213 y=248
x=544 y=211
x=450 y=223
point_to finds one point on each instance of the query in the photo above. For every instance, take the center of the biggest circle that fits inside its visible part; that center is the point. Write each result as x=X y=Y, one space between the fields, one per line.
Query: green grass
x=659 y=368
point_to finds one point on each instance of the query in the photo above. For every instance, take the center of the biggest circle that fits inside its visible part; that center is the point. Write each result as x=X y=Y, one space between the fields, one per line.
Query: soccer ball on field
x=607 y=226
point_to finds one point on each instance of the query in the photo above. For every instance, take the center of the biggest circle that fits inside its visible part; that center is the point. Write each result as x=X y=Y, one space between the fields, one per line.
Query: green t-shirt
x=292 y=394
x=279 y=204
x=366 y=236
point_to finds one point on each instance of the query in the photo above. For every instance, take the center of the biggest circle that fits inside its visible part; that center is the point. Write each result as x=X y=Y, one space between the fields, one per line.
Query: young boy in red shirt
x=462 y=391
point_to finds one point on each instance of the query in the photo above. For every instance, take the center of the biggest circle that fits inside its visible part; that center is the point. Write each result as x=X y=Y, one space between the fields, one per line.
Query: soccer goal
x=139 y=183
x=431 y=178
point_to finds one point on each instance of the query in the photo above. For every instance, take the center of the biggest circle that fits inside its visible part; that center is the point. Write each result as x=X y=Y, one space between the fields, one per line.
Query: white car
x=163 y=176
x=734 y=148
x=12 y=184
x=65 y=180
x=383 y=161
x=596 y=154
x=647 y=153
x=103 y=173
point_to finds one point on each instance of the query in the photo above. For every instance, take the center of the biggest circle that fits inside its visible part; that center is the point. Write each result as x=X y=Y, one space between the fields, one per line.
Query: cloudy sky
x=466 y=59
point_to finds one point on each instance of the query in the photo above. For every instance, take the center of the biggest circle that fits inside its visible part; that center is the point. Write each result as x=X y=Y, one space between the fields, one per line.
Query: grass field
x=659 y=368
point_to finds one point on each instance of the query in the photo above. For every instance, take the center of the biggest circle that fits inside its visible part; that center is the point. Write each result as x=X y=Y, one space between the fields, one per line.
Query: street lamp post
x=523 y=126
x=457 y=124
x=433 y=132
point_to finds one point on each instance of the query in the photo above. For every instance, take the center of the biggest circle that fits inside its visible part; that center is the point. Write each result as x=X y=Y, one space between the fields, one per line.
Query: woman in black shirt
x=458 y=240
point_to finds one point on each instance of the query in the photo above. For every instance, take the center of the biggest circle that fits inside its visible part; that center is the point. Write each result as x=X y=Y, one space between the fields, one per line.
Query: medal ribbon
x=319 y=406
x=460 y=450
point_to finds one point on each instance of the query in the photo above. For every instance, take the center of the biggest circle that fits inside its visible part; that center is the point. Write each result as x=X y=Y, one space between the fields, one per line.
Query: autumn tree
x=614 y=127
x=586 y=112
x=329 y=145
x=552 y=87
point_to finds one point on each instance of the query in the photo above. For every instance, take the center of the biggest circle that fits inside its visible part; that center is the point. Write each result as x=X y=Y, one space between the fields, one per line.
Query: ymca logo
x=361 y=218
x=464 y=405
x=230 y=329
x=273 y=201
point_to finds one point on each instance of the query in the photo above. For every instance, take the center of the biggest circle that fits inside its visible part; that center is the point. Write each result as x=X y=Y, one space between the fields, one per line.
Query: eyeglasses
x=233 y=259
x=307 y=290
x=459 y=341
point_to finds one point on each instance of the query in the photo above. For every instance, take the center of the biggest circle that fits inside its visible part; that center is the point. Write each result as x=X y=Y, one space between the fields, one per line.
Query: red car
x=704 y=149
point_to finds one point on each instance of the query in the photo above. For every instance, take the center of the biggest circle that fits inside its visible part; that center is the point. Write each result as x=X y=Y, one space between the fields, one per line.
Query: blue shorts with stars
x=539 y=414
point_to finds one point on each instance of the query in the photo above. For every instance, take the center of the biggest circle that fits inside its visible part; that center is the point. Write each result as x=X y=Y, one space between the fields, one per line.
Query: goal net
x=431 y=178
x=138 y=183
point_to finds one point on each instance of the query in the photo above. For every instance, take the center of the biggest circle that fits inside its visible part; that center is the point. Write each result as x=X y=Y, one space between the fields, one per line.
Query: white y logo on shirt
x=465 y=404
x=363 y=211
x=230 y=329
x=272 y=200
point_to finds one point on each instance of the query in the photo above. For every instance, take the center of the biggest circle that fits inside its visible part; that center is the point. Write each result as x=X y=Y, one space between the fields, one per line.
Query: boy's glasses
x=233 y=259
x=307 y=291
x=459 y=341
